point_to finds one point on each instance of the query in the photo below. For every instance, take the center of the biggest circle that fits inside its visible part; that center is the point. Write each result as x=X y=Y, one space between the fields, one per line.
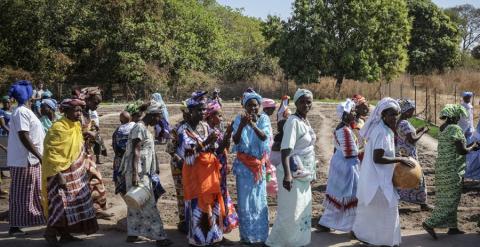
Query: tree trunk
x=338 y=86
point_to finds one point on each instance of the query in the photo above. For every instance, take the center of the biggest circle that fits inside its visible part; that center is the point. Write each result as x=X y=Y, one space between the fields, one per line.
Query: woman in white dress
x=377 y=221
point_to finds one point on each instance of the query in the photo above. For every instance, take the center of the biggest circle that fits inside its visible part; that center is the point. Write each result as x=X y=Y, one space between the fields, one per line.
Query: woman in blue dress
x=251 y=133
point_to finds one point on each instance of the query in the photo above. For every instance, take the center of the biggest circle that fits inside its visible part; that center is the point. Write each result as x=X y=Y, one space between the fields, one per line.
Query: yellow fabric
x=62 y=146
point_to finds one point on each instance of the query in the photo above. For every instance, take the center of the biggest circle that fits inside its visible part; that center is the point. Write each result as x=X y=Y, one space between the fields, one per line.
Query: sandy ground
x=324 y=120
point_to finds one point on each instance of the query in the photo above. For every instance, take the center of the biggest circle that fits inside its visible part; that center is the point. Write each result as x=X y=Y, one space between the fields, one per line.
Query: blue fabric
x=342 y=176
x=158 y=98
x=21 y=91
x=250 y=143
x=50 y=103
x=6 y=116
x=197 y=222
x=248 y=96
x=251 y=204
x=472 y=171
x=47 y=94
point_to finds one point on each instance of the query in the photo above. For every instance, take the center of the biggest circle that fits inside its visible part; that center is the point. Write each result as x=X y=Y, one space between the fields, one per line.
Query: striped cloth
x=25 y=197
x=74 y=201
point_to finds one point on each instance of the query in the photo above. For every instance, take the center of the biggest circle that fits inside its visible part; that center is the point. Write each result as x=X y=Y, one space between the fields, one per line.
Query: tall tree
x=357 y=39
x=468 y=19
x=435 y=40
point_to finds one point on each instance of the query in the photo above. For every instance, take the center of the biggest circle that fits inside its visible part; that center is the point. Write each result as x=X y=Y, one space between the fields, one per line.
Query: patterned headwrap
x=247 y=96
x=213 y=107
x=5 y=98
x=346 y=106
x=406 y=105
x=50 y=103
x=467 y=93
x=453 y=110
x=47 y=94
x=198 y=98
x=301 y=92
x=269 y=103
x=376 y=116
x=155 y=108
x=359 y=99
x=21 y=91
x=69 y=103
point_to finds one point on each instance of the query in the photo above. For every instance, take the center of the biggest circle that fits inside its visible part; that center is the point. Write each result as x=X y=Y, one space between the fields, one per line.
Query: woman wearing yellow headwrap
x=449 y=171
x=66 y=194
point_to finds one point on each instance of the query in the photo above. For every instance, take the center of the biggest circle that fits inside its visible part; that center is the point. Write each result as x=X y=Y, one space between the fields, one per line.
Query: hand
x=61 y=180
x=246 y=119
x=407 y=161
x=134 y=180
x=476 y=146
x=89 y=134
x=212 y=138
x=229 y=131
x=288 y=182
x=426 y=129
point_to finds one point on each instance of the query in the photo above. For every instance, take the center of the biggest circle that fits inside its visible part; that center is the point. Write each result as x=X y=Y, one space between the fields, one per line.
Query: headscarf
x=301 y=92
x=376 y=116
x=5 y=98
x=91 y=91
x=155 y=108
x=343 y=107
x=247 y=96
x=69 y=103
x=50 y=103
x=21 y=91
x=198 y=98
x=359 y=99
x=47 y=94
x=212 y=108
x=158 y=98
x=467 y=93
x=453 y=110
x=283 y=112
x=406 y=105
x=269 y=103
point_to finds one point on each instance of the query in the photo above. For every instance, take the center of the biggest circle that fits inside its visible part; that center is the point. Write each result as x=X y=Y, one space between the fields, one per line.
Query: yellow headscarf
x=62 y=146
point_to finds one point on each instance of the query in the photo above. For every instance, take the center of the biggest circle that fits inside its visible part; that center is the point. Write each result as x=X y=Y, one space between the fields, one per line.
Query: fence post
x=455 y=94
x=426 y=104
x=389 y=89
x=435 y=104
x=401 y=91
x=415 y=89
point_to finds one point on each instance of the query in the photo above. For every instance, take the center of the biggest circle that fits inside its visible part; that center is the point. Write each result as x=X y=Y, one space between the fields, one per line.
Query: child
x=119 y=144
x=296 y=166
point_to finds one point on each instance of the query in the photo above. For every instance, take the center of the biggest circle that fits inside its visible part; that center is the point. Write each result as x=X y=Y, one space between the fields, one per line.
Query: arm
x=380 y=158
x=238 y=135
x=261 y=135
x=413 y=138
x=463 y=149
x=4 y=125
x=27 y=143
x=136 y=143
x=287 y=179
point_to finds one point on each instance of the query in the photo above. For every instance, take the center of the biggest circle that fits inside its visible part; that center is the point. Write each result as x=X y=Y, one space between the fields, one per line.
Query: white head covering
x=155 y=107
x=376 y=116
x=346 y=106
x=301 y=92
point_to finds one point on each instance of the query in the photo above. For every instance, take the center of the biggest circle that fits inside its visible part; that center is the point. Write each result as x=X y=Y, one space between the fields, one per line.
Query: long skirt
x=145 y=221
x=70 y=208
x=177 y=182
x=339 y=213
x=292 y=226
x=447 y=198
x=252 y=204
x=25 y=196
x=377 y=223
x=96 y=185
x=230 y=221
x=204 y=229
x=417 y=196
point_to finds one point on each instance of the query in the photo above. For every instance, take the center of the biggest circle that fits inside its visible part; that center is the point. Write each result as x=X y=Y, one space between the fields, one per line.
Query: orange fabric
x=253 y=164
x=202 y=181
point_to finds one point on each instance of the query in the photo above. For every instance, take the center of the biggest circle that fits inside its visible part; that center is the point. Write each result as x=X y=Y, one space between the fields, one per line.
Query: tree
x=435 y=39
x=468 y=19
x=358 y=39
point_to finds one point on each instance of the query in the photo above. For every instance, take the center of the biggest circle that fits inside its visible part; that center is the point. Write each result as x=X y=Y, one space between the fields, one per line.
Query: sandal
x=455 y=231
x=430 y=230
x=164 y=242
x=133 y=239
x=69 y=238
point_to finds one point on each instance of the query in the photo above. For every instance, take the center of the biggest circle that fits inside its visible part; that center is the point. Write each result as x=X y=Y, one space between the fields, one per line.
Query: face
x=45 y=110
x=409 y=113
x=467 y=99
x=74 y=113
x=304 y=104
x=349 y=117
x=252 y=107
x=390 y=117
x=198 y=113
x=93 y=102
x=361 y=110
x=269 y=111
x=7 y=104
x=215 y=119
x=40 y=85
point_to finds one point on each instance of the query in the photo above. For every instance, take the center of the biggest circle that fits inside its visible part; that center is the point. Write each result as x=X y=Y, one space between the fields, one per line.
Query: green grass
x=434 y=130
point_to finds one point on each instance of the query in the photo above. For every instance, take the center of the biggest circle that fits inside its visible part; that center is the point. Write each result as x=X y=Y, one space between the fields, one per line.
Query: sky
x=282 y=8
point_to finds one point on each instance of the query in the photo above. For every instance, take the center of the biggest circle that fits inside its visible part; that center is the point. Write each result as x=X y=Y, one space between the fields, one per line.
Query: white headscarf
x=376 y=116
x=155 y=107
x=301 y=92
x=346 y=106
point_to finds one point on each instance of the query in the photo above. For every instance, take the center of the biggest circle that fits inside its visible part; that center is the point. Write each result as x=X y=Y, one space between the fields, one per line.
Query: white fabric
x=374 y=176
x=337 y=219
x=466 y=123
x=376 y=116
x=378 y=223
x=126 y=128
x=23 y=119
x=301 y=92
x=283 y=112
x=94 y=117
x=346 y=106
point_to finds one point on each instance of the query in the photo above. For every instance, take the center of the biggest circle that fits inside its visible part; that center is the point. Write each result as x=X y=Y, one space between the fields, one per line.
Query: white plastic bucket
x=137 y=196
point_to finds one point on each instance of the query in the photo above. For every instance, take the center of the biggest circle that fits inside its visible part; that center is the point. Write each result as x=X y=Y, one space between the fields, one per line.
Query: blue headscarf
x=251 y=95
x=47 y=94
x=50 y=103
x=21 y=91
x=158 y=98
x=197 y=99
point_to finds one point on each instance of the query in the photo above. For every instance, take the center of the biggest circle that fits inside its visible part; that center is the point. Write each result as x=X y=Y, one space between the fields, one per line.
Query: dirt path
x=323 y=120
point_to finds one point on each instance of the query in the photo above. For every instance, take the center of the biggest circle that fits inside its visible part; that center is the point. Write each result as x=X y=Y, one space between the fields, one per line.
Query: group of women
x=360 y=196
